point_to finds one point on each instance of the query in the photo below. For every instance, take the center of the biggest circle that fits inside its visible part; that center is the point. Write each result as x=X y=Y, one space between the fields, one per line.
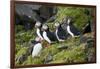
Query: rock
x=46 y=12
x=48 y=58
x=62 y=47
x=27 y=22
x=27 y=15
x=35 y=12
x=85 y=37
x=21 y=59
x=18 y=20
x=24 y=21
x=91 y=57
x=26 y=9
x=90 y=43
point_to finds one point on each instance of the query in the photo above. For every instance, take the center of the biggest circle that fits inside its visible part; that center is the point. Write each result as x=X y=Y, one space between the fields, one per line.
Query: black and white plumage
x=37 y=47
x=39 y=32
x=60 y=32
x=49 y=36
x=87 y=28
x=70 y=28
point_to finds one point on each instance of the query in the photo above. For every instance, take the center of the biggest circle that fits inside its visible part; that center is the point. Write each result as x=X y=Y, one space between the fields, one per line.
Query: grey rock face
x=28 y=14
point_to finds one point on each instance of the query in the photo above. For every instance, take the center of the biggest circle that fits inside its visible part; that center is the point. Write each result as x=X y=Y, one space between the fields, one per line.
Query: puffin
x=71 y=29
x=60 y=32
x=38 y=27
x=48 y=35
x=87 y=28
x=37 y=47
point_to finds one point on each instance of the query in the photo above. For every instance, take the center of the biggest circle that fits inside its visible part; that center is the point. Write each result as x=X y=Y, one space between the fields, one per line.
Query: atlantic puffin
x=39 y=32
x=71 y=29
x=60 y=32
x=87 y=28
x=48 y=35
x=37 y=47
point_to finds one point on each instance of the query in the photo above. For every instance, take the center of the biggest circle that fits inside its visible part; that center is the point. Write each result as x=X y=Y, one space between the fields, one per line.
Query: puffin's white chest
x=38 y=33
x=69 y=31
x=58 y=36
x=36 y=49
x=45 y=37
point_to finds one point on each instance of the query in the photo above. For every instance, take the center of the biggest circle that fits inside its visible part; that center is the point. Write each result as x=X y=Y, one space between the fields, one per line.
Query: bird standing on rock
x=39 y=32
x=49 y=36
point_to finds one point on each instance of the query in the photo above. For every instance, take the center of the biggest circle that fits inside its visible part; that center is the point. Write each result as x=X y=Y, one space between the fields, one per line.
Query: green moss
x=77 y=54
x=21 y=51
x=80 y=18
x=19 y=28
x=31 y=61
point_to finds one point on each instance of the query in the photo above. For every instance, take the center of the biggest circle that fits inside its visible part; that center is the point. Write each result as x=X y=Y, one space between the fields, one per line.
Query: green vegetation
x=80 y=15
x=76 y=51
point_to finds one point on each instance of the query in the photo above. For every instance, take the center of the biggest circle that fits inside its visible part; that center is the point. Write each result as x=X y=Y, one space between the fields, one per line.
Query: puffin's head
x=57 y=24
x=69 y=20
x=45 y=27
x=38 y=24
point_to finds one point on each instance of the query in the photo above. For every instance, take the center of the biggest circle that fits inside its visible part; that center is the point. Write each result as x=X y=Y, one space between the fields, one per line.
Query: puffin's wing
x=74 y=30
x=87 y=28
x=51 y=36
x=61 y=33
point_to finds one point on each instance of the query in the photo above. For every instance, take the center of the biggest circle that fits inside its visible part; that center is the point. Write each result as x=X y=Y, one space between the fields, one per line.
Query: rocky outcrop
x=27 y=14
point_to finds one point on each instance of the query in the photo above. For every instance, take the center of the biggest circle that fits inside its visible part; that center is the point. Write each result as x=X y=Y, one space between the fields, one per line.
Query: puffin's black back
x=51 y=35
x=41 y=32
x=87 y=28
x=61 y=33
x=74 y=30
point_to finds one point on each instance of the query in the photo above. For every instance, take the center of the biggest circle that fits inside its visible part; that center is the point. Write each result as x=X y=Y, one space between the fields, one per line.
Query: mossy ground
x=76 y=52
